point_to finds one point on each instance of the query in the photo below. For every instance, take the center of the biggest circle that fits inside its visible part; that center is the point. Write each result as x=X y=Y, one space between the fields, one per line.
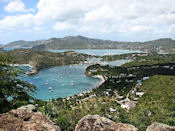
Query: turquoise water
x=99 y=52
x=64 y=80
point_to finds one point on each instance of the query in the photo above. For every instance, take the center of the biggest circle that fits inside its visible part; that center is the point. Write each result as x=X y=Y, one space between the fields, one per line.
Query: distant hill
x=77 y=42
x=22 y=43
x=81 y=42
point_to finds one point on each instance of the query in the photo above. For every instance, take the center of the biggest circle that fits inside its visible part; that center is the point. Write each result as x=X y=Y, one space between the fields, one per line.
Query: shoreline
x=33 y=72
x=90 y=90
x=21 y=65
x=101 y=78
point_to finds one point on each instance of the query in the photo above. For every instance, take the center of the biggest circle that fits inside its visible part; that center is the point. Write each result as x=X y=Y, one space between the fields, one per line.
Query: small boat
x=63 y=84
x=72 y=83
x=53 y=79
x=50 y=88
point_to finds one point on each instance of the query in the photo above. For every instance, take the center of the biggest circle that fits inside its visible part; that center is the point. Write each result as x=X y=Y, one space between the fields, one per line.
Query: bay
x=63 y=81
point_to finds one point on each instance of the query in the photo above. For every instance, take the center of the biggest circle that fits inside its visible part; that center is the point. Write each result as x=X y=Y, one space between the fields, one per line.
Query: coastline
x=33 y=72
x=90 y=90
x=21 y=65
x=100 y=77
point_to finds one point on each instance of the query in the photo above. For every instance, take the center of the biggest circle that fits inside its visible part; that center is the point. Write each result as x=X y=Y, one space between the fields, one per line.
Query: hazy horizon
x=83 y=36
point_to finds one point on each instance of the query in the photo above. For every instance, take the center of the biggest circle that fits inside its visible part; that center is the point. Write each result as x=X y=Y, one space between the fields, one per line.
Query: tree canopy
x=13 y=91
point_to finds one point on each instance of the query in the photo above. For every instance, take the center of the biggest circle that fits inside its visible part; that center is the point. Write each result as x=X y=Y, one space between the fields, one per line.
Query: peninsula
x=40 y=59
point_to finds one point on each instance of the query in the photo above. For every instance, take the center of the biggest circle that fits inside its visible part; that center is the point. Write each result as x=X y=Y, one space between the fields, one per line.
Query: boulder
x=26 y=118
x=160 y=127
x=97 y=123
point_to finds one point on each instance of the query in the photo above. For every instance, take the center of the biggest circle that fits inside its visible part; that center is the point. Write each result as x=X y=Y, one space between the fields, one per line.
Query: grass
x=157 y=104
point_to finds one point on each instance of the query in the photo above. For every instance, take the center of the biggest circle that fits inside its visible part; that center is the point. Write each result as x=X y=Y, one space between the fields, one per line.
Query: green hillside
x=42 y=59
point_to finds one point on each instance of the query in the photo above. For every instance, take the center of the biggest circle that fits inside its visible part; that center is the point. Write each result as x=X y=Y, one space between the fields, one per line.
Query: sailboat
x=72 y=83
x=50 y=88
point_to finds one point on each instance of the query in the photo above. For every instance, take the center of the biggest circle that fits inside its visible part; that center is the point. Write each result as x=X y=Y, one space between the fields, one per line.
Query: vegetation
x=42 y=59
x=120 y=81
x=130 y=56
x=13 y=91
x=23 y=44
x=158 y=103
x=152 y=59
x=139 y=59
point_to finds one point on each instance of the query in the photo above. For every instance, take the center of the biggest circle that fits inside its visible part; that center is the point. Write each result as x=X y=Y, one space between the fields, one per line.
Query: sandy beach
x=100 y=77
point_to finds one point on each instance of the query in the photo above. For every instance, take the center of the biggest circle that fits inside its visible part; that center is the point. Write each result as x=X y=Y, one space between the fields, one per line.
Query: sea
x=64 y=81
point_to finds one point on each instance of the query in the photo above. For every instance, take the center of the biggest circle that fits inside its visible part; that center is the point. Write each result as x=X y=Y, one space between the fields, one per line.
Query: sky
x=120 y=20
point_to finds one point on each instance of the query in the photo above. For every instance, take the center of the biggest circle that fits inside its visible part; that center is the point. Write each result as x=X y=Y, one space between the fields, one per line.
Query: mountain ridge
x=81 y=42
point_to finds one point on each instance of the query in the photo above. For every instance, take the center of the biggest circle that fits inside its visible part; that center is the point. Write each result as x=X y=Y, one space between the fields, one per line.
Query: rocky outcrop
x=26 y=118
x=160 y=127
x=97 y=123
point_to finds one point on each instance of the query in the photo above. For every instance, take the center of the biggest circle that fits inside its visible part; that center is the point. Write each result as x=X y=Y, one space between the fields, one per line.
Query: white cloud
x=60 y=26
x=102 y=16
x=16 y=6
x=16 y=22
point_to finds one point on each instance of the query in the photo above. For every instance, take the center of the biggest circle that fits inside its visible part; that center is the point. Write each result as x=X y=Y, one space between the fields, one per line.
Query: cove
x=63 y=81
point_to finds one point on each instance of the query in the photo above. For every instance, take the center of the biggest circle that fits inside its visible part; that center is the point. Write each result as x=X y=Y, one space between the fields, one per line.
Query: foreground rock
x=160 y=127
x=97 y=123
x=26 y=118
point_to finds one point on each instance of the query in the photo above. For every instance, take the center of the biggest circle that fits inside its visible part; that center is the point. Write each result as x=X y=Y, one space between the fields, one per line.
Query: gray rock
x=26 y=118
x=160 y=127
x=29 y=107
x=97 y=123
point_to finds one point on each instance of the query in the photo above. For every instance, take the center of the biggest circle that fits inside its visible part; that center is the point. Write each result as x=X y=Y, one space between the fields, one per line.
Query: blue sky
x=121 y=20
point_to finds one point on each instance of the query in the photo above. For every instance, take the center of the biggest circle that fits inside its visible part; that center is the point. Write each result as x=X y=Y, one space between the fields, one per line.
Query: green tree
x=13 y=91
